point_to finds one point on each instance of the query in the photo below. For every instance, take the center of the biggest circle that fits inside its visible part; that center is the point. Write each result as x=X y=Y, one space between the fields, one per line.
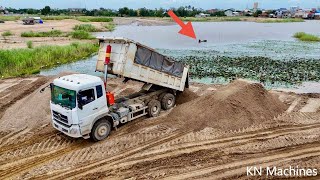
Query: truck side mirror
x=51 y=86
x=43 y=89
x=80 y=105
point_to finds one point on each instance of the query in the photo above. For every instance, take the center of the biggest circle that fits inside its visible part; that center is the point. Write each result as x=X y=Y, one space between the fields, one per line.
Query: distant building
x=202 y=15
x=299 y=13
x=247 y=12
x=76 y=9
x=294 y=10
x=212 y=11
x=309 y=14
x=283 y=13
x=317 y=14
x=228 y=12
x=232 y=12
x=264 y=14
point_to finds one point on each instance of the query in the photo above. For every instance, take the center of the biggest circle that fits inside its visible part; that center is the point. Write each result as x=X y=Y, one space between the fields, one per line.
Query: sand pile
x=235 y=106
x=185 y=97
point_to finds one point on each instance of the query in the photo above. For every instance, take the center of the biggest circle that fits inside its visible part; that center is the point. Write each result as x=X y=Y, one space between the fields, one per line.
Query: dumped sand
x=169 y=145
x=186 y=96
x=233 y=107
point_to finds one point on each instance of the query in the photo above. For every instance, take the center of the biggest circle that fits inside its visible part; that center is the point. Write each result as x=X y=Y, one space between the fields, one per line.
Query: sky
x=116 y=4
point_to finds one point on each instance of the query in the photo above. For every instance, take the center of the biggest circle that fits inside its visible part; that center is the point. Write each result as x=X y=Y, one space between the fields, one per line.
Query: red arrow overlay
x=187 y=29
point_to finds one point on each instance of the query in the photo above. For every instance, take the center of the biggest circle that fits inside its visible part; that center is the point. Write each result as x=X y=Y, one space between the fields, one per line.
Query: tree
x=46 y=10
x=257 y=13
x=124 y=11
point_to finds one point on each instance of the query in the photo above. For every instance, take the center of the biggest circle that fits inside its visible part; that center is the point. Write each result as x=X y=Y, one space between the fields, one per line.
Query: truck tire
x=100 y=130
x=168 y=101
x=154 y=108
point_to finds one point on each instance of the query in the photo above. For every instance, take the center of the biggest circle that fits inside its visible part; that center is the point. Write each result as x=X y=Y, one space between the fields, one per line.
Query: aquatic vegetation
x=80 y=34
x=110 y=26
x=286 y=20
x=306 y=37
x=18 y=62
x=258 y=68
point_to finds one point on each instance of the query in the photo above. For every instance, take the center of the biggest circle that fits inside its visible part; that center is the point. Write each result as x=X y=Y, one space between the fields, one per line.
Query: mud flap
x=147 y=86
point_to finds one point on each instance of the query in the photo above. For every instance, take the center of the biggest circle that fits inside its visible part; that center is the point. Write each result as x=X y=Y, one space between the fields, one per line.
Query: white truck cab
x=76 y=102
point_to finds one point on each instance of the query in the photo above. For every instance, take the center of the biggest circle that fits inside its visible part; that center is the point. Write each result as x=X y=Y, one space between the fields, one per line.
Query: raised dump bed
x=138 y=62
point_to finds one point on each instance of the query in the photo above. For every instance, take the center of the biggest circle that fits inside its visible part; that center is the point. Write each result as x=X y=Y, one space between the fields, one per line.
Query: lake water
x=167 y=37
x=233 y=39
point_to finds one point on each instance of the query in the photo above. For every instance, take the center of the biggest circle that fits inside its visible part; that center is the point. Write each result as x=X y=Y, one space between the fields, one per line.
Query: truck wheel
x=101 y=130
x=168 y=101
x=154 y=107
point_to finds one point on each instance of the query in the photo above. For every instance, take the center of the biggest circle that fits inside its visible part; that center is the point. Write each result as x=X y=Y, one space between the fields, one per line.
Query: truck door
x=90 y=108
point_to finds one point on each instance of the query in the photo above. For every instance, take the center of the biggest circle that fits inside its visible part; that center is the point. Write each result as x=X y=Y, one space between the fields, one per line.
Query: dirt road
x=31 y=149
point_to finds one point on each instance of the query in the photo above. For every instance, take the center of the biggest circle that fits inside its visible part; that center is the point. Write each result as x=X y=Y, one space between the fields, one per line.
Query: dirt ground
x=160 y=148
x=16 y=27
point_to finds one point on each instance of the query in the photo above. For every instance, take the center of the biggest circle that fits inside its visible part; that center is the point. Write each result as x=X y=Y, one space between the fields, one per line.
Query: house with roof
x=317 y=14
x=212 y=11
x=202 y=15
x=231 y=12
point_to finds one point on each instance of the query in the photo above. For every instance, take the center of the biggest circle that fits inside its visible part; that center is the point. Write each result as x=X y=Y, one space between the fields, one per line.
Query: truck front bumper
x=72 y=131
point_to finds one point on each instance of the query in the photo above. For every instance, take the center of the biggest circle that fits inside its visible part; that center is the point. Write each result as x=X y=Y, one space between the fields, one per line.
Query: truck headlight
x=73 y=131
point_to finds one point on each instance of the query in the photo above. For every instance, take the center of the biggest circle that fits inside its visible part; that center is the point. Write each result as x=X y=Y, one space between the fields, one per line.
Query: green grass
x=19 y=62
x=302 y=36
x=86 y=27
x=94 y=19
x=7 y=33
x=80 y=34
x=57 y=17
x=79 y=18
x=110 y=26
x=53 y=33
x=9 y=18
x=288 y=20
x=30 y=44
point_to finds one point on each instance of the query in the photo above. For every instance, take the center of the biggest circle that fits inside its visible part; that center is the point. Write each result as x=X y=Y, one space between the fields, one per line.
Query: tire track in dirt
x=62 y=174
x=12 y=170
x=20 y=92
x=14 y=87
x=187 y=147
x=4 y=139
x=196 y=146
x=238 y=167
x=47 y=145
x=28 y=142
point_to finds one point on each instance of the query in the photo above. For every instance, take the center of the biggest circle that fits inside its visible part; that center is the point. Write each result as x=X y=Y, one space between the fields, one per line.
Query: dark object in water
x=200 y=41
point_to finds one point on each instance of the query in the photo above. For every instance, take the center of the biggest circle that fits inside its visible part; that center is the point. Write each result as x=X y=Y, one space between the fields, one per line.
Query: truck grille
x=59 y=117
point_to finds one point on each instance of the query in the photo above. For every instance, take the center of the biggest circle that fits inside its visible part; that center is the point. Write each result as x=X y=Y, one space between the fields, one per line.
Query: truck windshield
x=63 y=97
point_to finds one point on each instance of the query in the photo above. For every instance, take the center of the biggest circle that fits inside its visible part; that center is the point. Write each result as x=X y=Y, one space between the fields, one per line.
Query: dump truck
x=82 y=106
